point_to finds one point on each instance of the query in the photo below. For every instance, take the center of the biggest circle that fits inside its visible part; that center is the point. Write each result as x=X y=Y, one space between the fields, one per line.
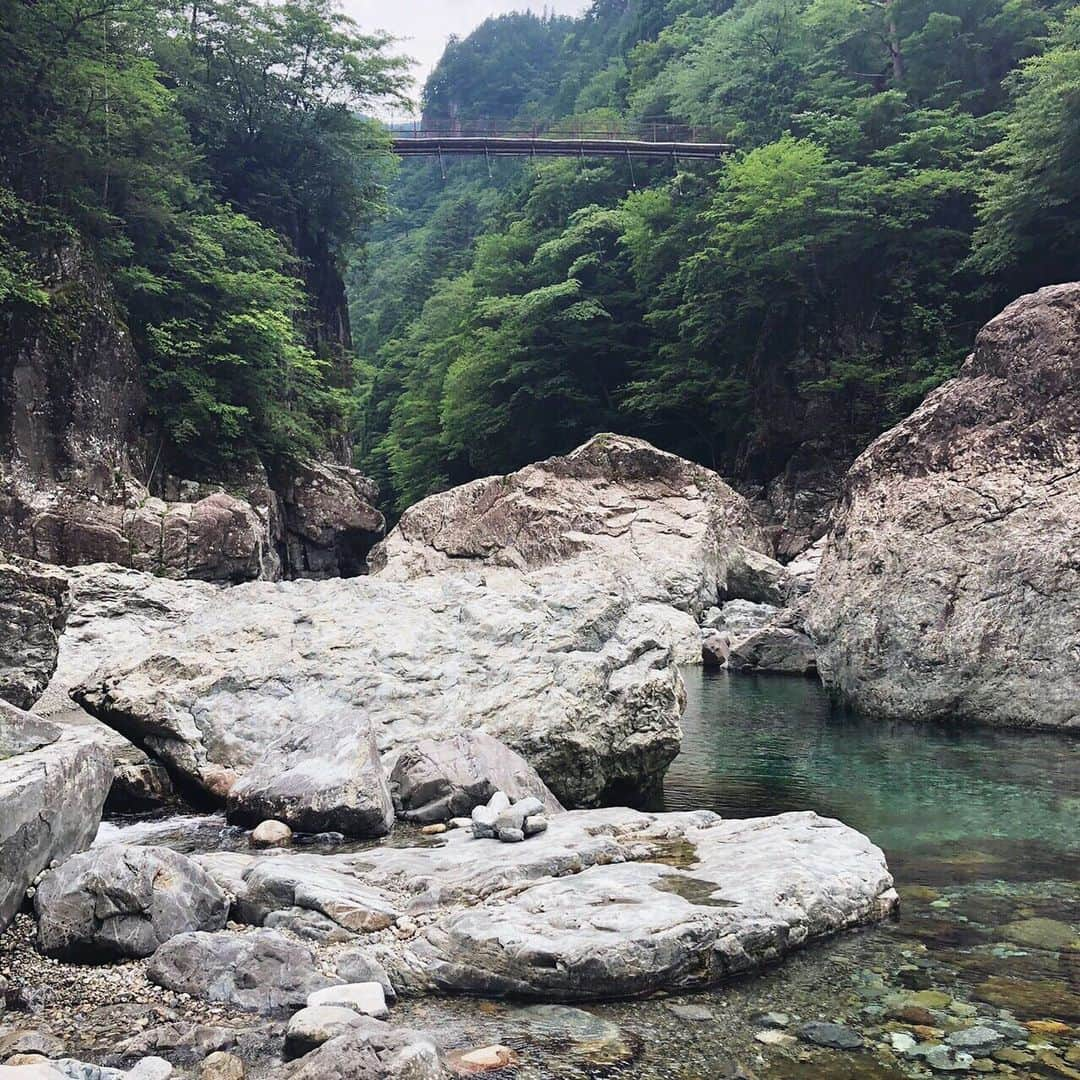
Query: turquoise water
x=754 y=745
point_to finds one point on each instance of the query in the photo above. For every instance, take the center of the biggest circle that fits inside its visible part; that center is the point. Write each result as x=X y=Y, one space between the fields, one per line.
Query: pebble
x=150 y=1068
x=836 y=1036
x=271 y=834
x=434 y=829
x=772 y=1020
x=775 y=1037
x=976 y=1040
x=483 y=1059
x=221 y=1066
x=692 y=1012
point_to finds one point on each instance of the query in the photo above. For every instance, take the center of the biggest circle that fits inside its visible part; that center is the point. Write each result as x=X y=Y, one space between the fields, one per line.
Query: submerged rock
x=669 y=525
x=124 y=901
x=53 y=785
x=368 y=1050
x=951 y=587
x=837 y=1036
x=250 y=700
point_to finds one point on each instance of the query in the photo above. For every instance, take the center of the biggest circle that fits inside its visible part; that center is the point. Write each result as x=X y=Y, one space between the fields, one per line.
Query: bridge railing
x=646 y=131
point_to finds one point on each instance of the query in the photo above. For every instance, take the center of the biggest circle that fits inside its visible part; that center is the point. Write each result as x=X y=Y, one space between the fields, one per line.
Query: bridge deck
x=495 y=146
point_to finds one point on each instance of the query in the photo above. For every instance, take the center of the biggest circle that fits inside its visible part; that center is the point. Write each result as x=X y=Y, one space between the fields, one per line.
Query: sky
x=424 y=25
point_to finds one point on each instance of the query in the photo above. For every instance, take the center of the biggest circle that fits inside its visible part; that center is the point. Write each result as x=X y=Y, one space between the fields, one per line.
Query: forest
x=902 y=169
x=215 y=162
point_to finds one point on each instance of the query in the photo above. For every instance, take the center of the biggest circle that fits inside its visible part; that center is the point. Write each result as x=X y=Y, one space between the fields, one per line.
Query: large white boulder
x=950 y=587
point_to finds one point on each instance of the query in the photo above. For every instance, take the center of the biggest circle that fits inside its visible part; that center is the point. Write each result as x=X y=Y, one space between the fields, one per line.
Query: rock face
x=951 y=585
x=330 y=520
x=79 y=471
x=113 y=613
x=34 y=602
x=52 y=788
x=596 y=908
x=262 y=971
x=219 y=538
x=438 y=779
x=565 y=671
x=124 y=901
x=669 y=525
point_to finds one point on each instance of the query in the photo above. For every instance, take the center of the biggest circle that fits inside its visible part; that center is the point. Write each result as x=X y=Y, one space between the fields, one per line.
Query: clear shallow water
x=754 y=745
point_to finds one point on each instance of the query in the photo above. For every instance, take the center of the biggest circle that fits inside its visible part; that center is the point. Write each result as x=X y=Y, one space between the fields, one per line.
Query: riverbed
x=981 y=832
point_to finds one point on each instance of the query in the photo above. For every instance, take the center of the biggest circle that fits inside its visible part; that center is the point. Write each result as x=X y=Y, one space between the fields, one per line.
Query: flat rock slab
x=606 y=903
x=568 y=672
x=53 y=785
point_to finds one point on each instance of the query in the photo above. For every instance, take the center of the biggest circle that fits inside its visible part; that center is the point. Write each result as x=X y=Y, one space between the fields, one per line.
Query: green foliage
x=214 y=160
x=810 y=290
x=1029 y=220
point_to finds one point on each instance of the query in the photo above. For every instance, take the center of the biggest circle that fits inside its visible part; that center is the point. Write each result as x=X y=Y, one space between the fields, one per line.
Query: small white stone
x=270 y=834
x=150 y=1068
x=368 y=998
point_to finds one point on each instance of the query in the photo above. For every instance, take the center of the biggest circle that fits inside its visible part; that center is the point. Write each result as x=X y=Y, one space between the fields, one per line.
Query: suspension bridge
x=654 y=142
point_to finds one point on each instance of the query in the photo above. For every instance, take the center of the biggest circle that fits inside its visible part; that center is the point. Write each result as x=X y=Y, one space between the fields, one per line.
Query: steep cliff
x=79 y=462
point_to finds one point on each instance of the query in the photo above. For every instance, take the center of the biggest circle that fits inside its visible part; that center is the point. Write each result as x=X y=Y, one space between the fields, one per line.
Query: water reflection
x=760 y=746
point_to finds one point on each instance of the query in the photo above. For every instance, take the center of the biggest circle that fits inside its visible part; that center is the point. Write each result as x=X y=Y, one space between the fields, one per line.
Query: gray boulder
x=34 y=602
x=368 y=1050
x=321 y=777
x=260 y=971
x=563 y=669
x=950 y=587
x=52 y=788
x=774 y=649
x=670 y=525
x=759 y=578
x=737 y=616
x=535 y=919
x=438 y=779
x=124 y=901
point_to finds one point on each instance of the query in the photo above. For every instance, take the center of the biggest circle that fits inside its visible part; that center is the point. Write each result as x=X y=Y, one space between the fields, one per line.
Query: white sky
x=424 y=25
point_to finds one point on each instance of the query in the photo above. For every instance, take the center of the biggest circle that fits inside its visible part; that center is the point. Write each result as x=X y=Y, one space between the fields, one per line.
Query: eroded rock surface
x=124 y=901
x=951 y=585
x=34 y=602
x=114 y=612
x=565 y=671
x=668 y=524
x=52 y=788
x=261 y=971
x=606 y=903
